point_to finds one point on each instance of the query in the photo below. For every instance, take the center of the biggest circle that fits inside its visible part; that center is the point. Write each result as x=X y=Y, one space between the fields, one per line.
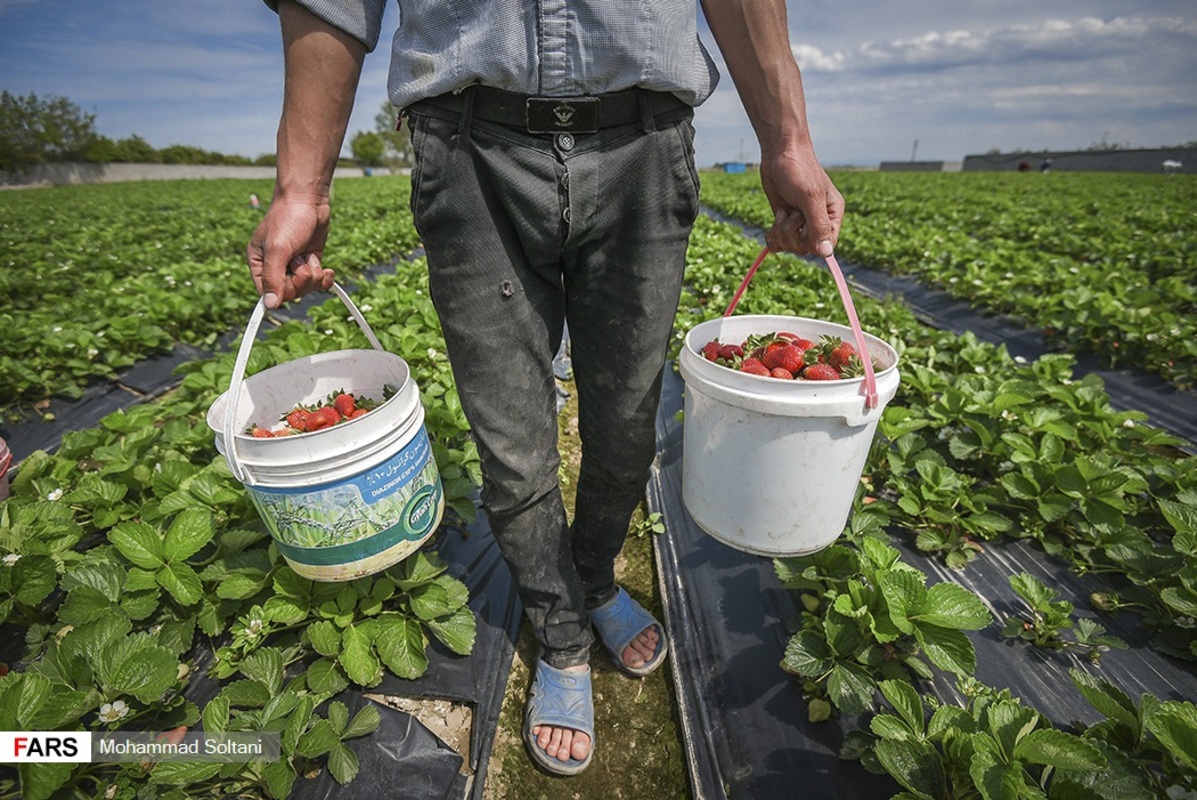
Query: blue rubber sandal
x=562 y=699
x=619 y=621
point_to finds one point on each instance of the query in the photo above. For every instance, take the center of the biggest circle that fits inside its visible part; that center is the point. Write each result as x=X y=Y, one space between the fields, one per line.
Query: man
x=554 y=180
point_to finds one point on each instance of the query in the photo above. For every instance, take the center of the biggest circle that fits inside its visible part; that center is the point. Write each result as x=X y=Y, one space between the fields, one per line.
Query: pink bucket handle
x=870 y=379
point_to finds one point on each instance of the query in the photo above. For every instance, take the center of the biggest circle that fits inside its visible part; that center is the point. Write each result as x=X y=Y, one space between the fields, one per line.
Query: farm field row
x=97 y=278
x=138 y=531
x=978 y=450
x=1102 y=263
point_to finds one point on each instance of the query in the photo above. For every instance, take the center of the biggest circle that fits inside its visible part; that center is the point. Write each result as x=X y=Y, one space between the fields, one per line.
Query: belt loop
x=646 y=111
x=467 y=111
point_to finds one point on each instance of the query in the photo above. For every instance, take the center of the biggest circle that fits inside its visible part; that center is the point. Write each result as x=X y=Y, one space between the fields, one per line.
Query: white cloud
x=812 y=59
x=1086 y=39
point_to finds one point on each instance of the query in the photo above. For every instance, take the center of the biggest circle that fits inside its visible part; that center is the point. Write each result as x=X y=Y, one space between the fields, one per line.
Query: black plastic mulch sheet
x=744 y=718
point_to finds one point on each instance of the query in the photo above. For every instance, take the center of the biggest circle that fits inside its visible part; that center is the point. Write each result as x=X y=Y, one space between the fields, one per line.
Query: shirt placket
x=555 y=77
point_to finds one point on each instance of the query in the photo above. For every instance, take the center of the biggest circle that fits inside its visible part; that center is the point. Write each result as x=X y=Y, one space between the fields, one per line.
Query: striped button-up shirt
x=555 y=48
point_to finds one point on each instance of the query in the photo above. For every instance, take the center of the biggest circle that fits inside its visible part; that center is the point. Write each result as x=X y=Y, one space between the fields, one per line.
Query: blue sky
x=956 y=76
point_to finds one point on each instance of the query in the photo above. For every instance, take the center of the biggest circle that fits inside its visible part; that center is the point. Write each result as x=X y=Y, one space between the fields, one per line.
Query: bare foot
x=642 y=649
x=563 y=743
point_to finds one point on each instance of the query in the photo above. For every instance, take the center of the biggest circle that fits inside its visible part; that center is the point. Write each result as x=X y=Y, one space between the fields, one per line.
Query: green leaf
x=1175 y=725
x=906 y=701
x=183 y=773
x=807 y=655
x=342 y=764
x=182 y=582
x=915 y=765
x=239 y=586
x=850 y=688
x=887 y=726
x=40 y=781
x=364 y=722
x=325 y=638
x=1109 y=700
x=265 y=665
x=319 y=739
x=949 y=605
x=187 y=535
x=1035 y=592
x=358 y=658
x=401 y=646
x=139 y=543
x=245 y=694
x=279 y=777
x=83 y=605
x=324 y=676
x=905 y=596
x=216 y=715
x=138 y=579
x=948 y=649
x=432 y=600
x=1058 y=749
x=996 y=780
x=416 y=570
x=137 y=666
x=34 y=577
x=457 y=631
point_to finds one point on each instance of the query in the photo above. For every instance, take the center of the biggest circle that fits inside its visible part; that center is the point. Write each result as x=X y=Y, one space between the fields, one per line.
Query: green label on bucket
x=360 y=516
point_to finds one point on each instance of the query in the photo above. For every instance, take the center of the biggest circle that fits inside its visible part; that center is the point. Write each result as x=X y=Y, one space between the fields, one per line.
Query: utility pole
x=914 y=150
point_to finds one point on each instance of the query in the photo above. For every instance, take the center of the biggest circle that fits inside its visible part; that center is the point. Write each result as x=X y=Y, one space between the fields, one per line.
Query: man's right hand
x=284 y=254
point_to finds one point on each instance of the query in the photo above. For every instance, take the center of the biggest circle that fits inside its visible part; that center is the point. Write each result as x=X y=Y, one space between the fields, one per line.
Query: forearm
x=754 y=39
x=322 y=68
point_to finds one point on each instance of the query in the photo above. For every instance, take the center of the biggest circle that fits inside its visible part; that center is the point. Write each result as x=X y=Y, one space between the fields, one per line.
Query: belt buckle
x=562 y=114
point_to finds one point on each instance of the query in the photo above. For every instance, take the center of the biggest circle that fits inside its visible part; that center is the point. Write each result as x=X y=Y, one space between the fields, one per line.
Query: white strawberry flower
x=11 y=559
x=1128 y=423
x=254 y=627
x=111 y=712
x=54 y=496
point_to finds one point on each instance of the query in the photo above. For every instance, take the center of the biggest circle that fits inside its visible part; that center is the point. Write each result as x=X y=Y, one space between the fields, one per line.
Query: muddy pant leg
x=632 y=209
x=487 y=208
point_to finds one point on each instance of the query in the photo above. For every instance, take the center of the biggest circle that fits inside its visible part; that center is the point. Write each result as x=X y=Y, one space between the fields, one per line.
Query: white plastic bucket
x=771 y=466
x=345 y=501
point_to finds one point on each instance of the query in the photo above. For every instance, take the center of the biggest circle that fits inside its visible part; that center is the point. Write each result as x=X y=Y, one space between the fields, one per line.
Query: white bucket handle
x=234 y=394
x=870 y=379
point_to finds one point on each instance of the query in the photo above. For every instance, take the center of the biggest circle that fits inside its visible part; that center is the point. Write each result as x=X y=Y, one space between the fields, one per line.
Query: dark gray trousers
x=523 y=232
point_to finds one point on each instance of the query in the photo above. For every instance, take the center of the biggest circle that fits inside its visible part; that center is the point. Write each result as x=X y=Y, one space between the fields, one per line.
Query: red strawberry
x=821 y=372
x=323 y=417
x=359 y=412
x=710 y=350
x=298 y=419
x=345 y=404
x=753 y=366
x=782 y=373
x=260 y=433
x=788 y=358
x=840 y=354
x=730 y=352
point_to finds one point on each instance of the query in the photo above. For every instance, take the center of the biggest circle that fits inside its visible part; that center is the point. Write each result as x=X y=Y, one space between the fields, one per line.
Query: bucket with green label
x=348 y=500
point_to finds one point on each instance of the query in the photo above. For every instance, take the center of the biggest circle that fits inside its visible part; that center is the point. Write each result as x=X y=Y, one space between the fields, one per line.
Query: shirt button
x=565 y=142
x=565 y=215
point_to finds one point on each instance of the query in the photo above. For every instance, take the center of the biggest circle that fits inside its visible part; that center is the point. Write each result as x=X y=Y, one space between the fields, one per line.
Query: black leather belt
x=584 y=114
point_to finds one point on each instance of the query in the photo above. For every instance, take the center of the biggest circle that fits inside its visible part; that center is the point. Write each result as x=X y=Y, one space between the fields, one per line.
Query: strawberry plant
x=868 y=617
x=1048 y=619
x=992 y=747
x=132 y=552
